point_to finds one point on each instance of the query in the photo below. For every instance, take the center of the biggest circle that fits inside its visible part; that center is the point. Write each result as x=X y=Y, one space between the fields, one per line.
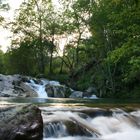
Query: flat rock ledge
x=20 y=122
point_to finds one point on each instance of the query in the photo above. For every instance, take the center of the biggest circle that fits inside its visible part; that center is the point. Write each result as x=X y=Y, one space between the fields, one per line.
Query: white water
x=40 y=88
x=119 y=126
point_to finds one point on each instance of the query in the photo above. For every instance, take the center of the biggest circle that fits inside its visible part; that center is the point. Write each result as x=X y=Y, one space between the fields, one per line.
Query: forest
x=82 y=43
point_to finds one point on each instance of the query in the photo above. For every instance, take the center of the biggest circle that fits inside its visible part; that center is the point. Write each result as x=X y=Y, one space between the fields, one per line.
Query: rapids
x=79 y=119
x=117 y=124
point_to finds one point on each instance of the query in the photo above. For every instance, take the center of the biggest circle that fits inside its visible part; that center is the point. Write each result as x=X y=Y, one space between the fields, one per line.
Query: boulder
x=14 y=86
x=21 y=122
x=49 y=90
x=74 y=129
x=7 y=84
x=25 y=79
x=57 y=91
x=76 y=94
x=90 y=92
x=27 y=91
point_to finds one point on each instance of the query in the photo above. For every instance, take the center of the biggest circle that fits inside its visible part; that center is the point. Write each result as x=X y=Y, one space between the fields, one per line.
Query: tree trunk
x=42 y=65
x=51 y=62
x=61 y=67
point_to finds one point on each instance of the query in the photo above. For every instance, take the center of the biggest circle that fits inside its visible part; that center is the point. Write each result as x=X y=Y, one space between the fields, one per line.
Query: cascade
x=39 y=88
x=120 y=125
x=55 y=129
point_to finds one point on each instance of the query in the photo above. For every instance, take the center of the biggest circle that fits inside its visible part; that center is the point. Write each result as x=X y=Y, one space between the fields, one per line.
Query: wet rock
x=57 y=91
x=49 y=90
x=76 y=94
x=38 y=81
x=97 y=112
x=13 y=86
x=74 y=129
x=27 y=91
x=22 y=122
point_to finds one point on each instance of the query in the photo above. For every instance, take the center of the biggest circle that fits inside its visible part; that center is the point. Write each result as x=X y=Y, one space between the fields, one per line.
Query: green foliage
x=127 y=59
x=24 y=59
x=1 y=62
x=109 y=59
x=114 y=45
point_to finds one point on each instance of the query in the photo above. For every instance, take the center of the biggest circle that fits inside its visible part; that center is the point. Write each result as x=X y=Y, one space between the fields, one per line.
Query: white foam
x=40 y=89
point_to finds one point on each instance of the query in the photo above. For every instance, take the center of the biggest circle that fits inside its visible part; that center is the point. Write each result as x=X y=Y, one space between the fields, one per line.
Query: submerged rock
x=22 y=122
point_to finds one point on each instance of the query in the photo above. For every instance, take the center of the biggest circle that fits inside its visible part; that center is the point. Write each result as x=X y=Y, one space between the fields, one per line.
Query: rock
x=27 y=90
x=7 y=84
x=76 y=94
x=90 y=92
x=25 y=79
x=49 y=90
x=93 y=97
x=74 y=129
x=13 y=86
x=22 y=122
x=57 y=91
x=16 y=82
x=37 y=81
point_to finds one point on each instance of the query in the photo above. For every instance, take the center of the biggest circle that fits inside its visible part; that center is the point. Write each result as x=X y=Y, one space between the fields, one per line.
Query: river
x=83 y=118
x=86 y=119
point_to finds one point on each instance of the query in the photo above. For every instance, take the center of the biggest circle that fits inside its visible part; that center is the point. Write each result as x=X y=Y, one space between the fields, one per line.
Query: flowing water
x=39 y=88
x=93 y=124
x=84 y=119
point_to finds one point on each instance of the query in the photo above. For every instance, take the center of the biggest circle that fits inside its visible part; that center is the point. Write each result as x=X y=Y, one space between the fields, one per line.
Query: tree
x=3 y=7
x=38 y=19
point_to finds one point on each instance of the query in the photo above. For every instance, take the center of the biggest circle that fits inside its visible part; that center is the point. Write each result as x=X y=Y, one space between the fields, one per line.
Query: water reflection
x=68 y=100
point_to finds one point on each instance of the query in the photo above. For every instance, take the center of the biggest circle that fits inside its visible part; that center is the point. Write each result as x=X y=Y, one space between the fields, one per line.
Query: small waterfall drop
x=120 y=125
x=55 y=129
x=39 y=88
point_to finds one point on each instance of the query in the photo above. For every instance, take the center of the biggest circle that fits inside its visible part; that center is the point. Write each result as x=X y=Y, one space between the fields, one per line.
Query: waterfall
x=62 y=125
x=39 y=88
x=55 y=129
